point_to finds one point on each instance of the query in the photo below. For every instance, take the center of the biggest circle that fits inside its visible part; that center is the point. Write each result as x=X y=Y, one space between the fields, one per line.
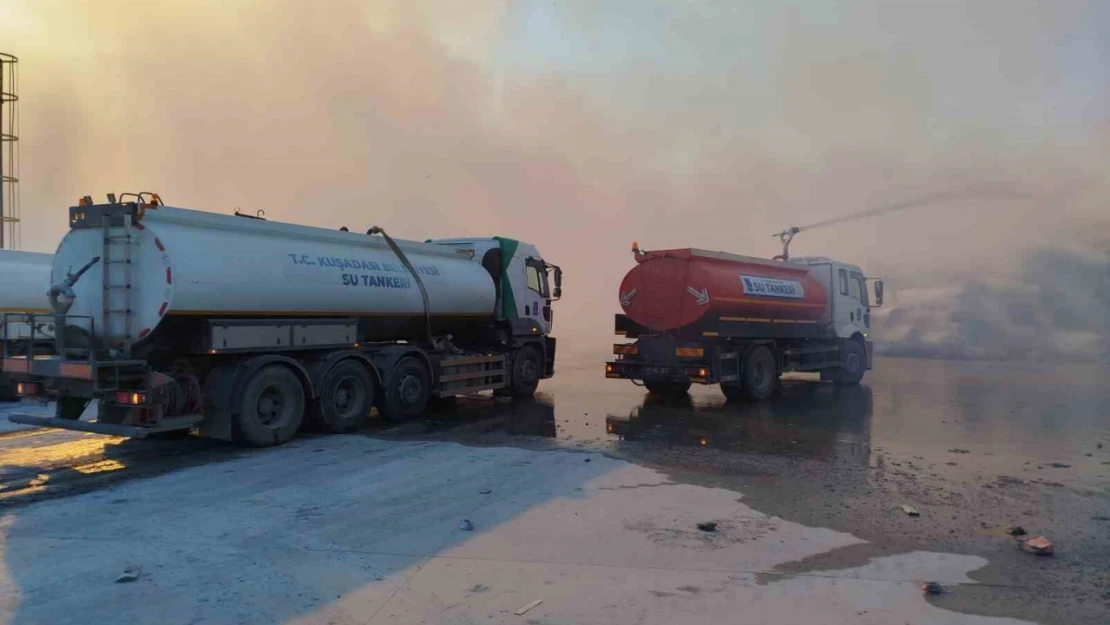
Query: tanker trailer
x=244 y=328
x=24 y=279
x=702 y=317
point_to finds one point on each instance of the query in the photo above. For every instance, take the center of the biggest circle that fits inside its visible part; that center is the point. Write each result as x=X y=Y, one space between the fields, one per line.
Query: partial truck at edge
x=24 y=278
x=703 y=317
x=247 y=329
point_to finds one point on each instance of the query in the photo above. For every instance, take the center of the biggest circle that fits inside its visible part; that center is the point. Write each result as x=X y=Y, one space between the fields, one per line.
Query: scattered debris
x=1037 y=544
x=1099 y=446
x=1016 y=530
x=587 y=459
x=1059 y=465
x=466 y=525
x=479 y=588
x=932 y=588
x=1100 y=518
x=910 y=510
x=708 y=526
x=485 y=491
x=528 y=606
x=959 y=451
x=129 y=574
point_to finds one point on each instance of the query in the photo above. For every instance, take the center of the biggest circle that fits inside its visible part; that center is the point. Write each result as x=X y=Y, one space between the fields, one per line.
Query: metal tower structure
x=9 y=151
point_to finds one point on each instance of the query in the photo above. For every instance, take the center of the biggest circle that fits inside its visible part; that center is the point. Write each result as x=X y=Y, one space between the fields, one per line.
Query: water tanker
x=24 y=278
x=244 y=328
x=670 y=289
x=709 y=317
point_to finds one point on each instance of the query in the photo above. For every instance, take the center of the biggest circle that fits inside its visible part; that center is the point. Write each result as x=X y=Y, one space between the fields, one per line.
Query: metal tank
x=670 y=289
x=24 y=279
x=186 y=263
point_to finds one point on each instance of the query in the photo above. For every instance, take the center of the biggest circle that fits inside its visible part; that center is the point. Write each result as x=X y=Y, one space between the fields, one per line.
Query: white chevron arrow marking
x=626 y=298
x=701 y=298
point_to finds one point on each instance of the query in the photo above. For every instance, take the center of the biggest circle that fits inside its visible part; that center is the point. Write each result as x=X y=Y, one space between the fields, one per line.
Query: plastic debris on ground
x=465 y=525
x=528 y=606
x=1038 y=545
x=932 y=588
x=129 y=574
x=1016 y=530
x=708 y=526
x=910 y=510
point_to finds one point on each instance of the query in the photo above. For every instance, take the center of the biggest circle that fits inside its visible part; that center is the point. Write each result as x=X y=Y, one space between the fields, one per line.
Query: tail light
x=130 y=398
x=28 y=389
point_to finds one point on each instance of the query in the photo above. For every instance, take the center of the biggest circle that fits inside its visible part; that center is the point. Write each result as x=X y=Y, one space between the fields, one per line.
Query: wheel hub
x=410 y=389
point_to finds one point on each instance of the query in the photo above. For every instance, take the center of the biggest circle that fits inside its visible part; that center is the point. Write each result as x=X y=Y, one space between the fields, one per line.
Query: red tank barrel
x=669 y=289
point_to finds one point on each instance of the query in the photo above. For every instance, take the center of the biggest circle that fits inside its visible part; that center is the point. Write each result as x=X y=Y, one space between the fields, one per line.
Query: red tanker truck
x=702 y=317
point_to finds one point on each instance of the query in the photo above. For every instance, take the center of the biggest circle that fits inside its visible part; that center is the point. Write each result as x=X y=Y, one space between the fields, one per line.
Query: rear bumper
x=697 y=372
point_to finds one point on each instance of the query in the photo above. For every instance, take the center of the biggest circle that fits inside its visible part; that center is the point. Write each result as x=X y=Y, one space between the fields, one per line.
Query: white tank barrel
x=24 y=280
x=193 y=263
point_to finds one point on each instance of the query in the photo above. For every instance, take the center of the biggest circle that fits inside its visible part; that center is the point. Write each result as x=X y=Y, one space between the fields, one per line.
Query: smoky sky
x=582 y=127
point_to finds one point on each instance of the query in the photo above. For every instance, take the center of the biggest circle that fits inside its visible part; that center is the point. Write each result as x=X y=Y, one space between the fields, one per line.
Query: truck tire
x=272 y=407
x=855 y=364
x=760 y=374
x=346 y=397
x=667 y=389
x=527 y=370
x=407 y=389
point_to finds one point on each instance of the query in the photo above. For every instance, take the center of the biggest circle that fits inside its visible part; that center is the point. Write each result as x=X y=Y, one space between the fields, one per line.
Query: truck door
x=850 y=305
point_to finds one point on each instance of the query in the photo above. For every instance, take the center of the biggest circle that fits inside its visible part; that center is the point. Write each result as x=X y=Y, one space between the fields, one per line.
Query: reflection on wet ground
x=976 y=447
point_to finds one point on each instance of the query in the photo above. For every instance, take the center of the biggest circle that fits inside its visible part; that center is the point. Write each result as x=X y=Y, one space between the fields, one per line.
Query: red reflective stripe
x=169 y=276
x=158 y=242
x=145 y=332
x=162 y=310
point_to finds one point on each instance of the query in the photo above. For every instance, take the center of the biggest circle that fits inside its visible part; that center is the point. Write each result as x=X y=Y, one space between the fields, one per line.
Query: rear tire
x=406 y=390
x=346 y=397
x=760 y=374
x=855 y=365
x=272 y=407
x=667 y=389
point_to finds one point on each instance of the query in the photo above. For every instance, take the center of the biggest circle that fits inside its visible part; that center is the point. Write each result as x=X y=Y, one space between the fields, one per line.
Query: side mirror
x=878 y=293
x=558 y=283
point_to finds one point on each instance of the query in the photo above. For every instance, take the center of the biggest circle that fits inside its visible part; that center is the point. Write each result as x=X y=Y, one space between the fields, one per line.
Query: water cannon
x=786 y=236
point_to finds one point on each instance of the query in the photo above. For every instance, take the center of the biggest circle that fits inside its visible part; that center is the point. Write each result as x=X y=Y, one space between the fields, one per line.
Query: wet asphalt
x=976 y=448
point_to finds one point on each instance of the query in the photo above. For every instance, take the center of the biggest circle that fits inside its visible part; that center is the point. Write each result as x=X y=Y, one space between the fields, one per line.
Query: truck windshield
x=537 y=278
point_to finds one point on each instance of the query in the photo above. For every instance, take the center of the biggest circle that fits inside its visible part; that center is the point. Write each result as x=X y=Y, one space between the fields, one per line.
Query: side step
x=129 y=431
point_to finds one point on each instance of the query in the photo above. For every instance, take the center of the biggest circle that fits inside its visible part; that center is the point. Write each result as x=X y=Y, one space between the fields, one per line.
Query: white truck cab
x=523 y=279
x=849 y=302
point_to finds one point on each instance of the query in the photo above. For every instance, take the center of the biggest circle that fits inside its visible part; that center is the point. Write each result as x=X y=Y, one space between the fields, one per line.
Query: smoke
x=583 y=126
x=1056 y=308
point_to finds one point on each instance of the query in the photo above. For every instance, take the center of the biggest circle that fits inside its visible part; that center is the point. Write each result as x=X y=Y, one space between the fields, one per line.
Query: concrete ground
x=586 y=500
x=357 y=530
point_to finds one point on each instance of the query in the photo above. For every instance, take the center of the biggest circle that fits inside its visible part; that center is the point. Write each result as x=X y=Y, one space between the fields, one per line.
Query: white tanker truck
x=244 y=329
x=24 y=278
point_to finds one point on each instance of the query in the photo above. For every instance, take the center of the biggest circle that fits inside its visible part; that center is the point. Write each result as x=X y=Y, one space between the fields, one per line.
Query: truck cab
x=849 y=303
x=526 y=284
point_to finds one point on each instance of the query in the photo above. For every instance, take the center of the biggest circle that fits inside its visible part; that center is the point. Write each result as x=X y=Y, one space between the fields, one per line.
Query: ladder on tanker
x=117 y=252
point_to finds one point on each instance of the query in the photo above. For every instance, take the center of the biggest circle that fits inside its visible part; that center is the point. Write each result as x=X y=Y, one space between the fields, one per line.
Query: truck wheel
x=527 y=369
x=346 y=397
x=272 y=407
x=406 y=390
x=855 y=359
x=760 y=375
x=667 y=389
